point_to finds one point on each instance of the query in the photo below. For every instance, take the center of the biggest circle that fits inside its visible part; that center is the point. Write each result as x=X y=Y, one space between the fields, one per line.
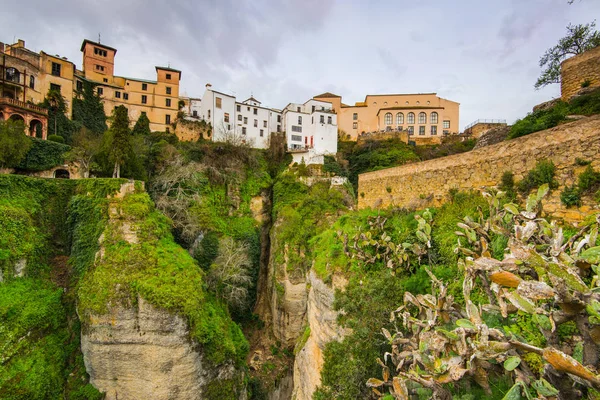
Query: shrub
x=14 y=145
x=43 y=155
x=507 y=184
x=539 y=120
x=56 y=138
x=570 y=196
x=582 y=162
x=542 y=173
x=586 y=83
x=589 y=180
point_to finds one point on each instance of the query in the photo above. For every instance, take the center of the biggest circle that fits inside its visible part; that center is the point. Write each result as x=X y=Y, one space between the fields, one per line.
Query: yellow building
x=425 y=116
x=157 y=99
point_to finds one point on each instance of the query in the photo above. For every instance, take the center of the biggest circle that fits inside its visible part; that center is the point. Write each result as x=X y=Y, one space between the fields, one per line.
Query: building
x=192 y=107
x=477 y=128
x=158 y=99
x=425 y=116
x=311 y=130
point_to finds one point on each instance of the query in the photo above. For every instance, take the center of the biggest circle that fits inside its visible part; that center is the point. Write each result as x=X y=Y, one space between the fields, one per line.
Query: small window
x=228 y=127
x=55 y=69
x=411 y=118
x=195 y=114
x=264 y=124
x=256 y=123
x=99 y=68
x=329 y=120
x=168 y=102
x=144 y=86
x=262 y=133
x=208 y=114
x=168 y=89
x=218 y=102
x=299 y=120
x=446 y=124
x=54 y=87
x=298 y=109
x=279 y=118
x=245 y=120
x=411 y=130
x=125 y=96
x=169 y=76
x=100 y=91
x=79 y=85
x=226 y=117
x=355 y=125
x=117 y=94
x=31 y=81
x=433 y=118
x=278 y=128
x=167 y=119
x=422 y=118
x=399 y=119
x=100 y=52
x=446 y=133
x=421 y=130
x=239 y=108
x=322 y=119
x=434 y=130
x=355 y=116
x=296 y=138
x=313 y=108
x=255 y=111
x=296 y=128
x=239 y=117
x=105 y=80
x=144 y=99
x=388 y=119
x=243 y=130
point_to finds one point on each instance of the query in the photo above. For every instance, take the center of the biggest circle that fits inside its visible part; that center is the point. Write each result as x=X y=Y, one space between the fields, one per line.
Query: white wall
x=245 y=118
x=216 y=116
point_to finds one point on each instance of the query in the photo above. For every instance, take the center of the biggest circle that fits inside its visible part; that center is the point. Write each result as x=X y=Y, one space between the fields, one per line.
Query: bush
x=589 y=180
x=507 y=184
x=43 y=155
x=56 y=138
x=570 y=196
x=542 y=173
x=14 y=144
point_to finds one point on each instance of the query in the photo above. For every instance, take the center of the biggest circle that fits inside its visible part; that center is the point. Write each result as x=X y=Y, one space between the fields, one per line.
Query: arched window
x=388 y=118
x=422 y=118
x=12 y=75
x=32 y=81
x=411 y=118
x=399 y=119
x=433 y=118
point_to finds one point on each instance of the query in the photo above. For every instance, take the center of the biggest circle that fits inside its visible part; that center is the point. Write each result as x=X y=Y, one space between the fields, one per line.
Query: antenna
x=98 y=37
x=168 y=64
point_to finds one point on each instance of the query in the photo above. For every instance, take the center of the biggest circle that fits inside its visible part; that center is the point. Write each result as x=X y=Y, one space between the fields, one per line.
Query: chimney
x=20 y=43
x=208 y=85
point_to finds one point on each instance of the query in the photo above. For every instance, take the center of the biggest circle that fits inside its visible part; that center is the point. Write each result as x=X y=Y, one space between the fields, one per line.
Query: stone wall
x=427 y=183
x=479 y=129
x=575 y=70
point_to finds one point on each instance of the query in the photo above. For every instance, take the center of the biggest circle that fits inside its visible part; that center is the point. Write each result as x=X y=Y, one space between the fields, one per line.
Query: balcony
x=22 y=105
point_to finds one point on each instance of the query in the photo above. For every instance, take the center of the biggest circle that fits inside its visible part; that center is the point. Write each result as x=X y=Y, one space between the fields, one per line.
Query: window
x=168 y=102
x=446 y=124
x=296 y=138
x=255 y=111
x=100 y=91
x=245 y=120
x=421 y=130
x=208 y=114
x=262 y=133
x=355 y=116
x=355 y=125
x=411 y=130
x=228 y=127
x=298 y=109
x=117 y=94
x=169 y=76
x=422 y=118
x=55 y=69
x=226 y=117
x=239 y=117
x=322 y=119
x=54 y=87
x=105 y=80
x=125 y=96
x=168 y=89
x=264 y=124
x=256 y=123
x=13 y=75
x=299 y=120
x=399 y=119
x=144 y=99
x=195 y=114
x=278 y=128
x=433 y=118
x=313 y=108
x=167 y=119
x=31 y=81
x=79 y=85
x=279 y=118
x=239 y=108
x=218 y=102
x=388 y=119
x=296 y=128
x=243 y=130
x=446 y=133
x=99 y=68
x=248 y=108
x=329 y=120
x=100 y=52
x=410 y=118
x=434 y=130
x=144 y=86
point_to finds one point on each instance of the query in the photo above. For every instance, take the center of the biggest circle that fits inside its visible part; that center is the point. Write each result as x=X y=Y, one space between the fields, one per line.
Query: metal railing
x=23 y=105
x=486 y=121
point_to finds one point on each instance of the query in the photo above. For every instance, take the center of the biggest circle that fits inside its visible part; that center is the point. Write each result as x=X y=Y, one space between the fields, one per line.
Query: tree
x=579 y=38
x=14 y=144
x=142 y=126
x=118 y=140
x=85 y=147
x=88 y=110
x=58 y=122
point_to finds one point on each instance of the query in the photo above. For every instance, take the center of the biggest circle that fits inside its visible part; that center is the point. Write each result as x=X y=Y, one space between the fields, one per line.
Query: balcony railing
x=23 y=105
x=486 y=121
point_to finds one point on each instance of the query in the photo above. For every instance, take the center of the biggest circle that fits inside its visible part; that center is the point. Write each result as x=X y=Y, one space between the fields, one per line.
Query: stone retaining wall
x=575 y=70
x=427 y=183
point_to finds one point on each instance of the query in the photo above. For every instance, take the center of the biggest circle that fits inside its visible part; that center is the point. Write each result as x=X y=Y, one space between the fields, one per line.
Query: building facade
x=423 y=115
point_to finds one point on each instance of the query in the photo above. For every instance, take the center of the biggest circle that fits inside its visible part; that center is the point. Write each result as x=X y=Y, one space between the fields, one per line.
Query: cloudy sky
x=481 y=53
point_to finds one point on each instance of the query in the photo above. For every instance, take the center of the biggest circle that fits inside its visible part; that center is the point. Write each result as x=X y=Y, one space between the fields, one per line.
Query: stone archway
x=36 y=128
x=62 y=174
x=16 y=117
x=1 y=116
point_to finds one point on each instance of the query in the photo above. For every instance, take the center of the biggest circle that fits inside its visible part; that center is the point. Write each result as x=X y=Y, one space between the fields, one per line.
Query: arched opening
x=388 y=118
x=8 y=93
x=17 y=117
x=411 y=118
x=422 y=118
x=35 y=128
x=433 y=118
x=62 y=174
x=399 y=118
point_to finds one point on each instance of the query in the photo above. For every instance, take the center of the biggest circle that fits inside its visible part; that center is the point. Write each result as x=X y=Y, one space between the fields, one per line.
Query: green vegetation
x=88 y=110
x=507 y=185
x=542 y=173
x=43 y=155
x=588 y=183
x=58 y=122
x=570 y=196
x=451 y=144
x=14 y=144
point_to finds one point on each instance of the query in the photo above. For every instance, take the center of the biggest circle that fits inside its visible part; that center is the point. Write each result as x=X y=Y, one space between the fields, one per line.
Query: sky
x=483 y=54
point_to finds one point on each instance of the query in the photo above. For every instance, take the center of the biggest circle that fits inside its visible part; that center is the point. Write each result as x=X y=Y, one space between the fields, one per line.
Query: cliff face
x=143 y=352
x=321 y=320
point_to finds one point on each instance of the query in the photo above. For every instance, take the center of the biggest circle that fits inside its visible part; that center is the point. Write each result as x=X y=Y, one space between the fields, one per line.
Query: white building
x=311 y=130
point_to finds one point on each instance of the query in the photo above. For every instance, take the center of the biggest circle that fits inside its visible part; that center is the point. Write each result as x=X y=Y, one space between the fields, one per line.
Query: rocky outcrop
x=145 y=353
x=321 y=320
x=288 y=309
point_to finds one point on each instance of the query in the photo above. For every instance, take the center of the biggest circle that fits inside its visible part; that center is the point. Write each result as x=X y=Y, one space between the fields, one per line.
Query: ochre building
x=423 y=115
